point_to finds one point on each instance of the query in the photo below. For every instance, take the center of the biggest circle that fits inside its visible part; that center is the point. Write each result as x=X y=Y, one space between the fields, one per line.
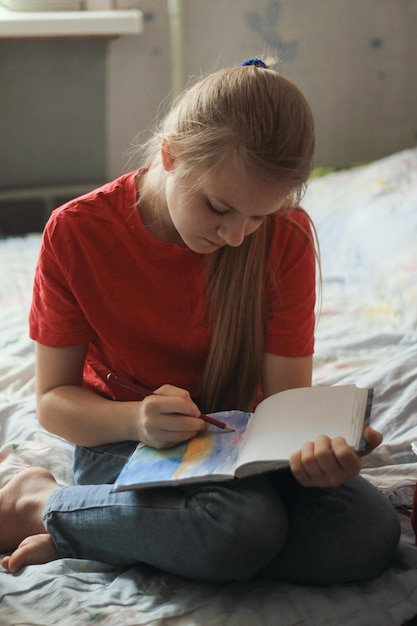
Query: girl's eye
x=213 y=209
x=259 y=219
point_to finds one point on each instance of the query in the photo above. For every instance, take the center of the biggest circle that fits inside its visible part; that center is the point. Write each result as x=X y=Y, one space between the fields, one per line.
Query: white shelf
x=70 y=23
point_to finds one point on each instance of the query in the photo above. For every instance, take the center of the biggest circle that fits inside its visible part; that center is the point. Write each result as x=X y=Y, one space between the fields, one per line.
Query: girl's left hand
x=328 y=462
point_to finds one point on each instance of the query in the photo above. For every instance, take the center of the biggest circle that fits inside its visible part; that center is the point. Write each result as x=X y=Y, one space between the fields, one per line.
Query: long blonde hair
x=261 y=119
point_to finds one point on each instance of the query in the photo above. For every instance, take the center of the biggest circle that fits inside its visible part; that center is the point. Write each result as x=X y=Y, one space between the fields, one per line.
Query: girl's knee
x=381 y=530
x=371 y=532
x=337 y=535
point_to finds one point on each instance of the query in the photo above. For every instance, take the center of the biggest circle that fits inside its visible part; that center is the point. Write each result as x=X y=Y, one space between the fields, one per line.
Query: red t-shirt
x=139 y=303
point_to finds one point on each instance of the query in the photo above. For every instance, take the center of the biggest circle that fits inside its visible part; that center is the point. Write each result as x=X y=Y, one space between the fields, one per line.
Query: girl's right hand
x=167 y=417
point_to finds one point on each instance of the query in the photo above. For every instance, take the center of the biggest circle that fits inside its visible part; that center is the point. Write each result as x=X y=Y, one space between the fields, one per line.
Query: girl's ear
x=167 y=154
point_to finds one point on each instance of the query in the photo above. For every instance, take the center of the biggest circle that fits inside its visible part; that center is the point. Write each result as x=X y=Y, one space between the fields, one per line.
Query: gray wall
x=69 y=109
x=52 y=111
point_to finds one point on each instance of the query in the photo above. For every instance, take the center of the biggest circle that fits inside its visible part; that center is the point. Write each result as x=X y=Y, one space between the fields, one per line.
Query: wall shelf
x=69 y=23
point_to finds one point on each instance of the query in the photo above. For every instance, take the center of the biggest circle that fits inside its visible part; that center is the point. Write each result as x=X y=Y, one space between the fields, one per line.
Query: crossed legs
x=213 y=532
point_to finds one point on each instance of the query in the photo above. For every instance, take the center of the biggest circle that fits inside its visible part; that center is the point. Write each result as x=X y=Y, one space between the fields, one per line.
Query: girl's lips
x=215 y=244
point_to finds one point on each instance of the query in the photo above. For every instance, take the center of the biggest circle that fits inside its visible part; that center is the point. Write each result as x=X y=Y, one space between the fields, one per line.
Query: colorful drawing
x=213 y=452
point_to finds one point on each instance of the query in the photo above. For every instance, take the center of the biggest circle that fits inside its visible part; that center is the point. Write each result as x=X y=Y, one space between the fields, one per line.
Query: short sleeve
x=56 y=318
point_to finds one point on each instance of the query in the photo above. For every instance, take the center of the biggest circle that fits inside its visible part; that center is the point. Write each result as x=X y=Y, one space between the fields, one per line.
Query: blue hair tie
x=255 y=62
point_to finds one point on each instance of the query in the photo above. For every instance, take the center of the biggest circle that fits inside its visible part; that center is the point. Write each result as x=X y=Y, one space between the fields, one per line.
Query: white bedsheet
x=367 y=224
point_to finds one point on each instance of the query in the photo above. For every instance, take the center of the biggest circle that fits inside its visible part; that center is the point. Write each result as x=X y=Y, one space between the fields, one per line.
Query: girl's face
x=229 y=206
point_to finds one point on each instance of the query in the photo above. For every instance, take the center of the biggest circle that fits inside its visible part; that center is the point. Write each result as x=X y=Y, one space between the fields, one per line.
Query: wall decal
x=265 y=24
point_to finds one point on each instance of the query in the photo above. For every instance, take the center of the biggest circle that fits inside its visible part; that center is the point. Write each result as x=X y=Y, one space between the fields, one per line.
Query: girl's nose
x=234 y=232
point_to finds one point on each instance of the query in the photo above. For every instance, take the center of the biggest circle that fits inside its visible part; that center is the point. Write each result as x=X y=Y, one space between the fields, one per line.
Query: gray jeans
x=267 y=526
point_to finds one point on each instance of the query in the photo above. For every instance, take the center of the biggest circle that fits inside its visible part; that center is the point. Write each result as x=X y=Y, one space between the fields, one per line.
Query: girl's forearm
x=85 y=418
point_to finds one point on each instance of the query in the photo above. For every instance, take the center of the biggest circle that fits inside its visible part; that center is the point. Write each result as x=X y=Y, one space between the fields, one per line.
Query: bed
x=366 y=219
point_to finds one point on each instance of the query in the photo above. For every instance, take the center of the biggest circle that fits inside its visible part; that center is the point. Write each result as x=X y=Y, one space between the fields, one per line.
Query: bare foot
x=32 y=551
x=22 y=503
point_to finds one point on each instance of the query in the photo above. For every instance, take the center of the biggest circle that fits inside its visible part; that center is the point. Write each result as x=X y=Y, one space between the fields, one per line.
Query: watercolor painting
x=213 y=452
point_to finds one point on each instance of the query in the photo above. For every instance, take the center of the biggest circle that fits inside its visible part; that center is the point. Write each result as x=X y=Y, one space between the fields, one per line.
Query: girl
x=195 y=278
